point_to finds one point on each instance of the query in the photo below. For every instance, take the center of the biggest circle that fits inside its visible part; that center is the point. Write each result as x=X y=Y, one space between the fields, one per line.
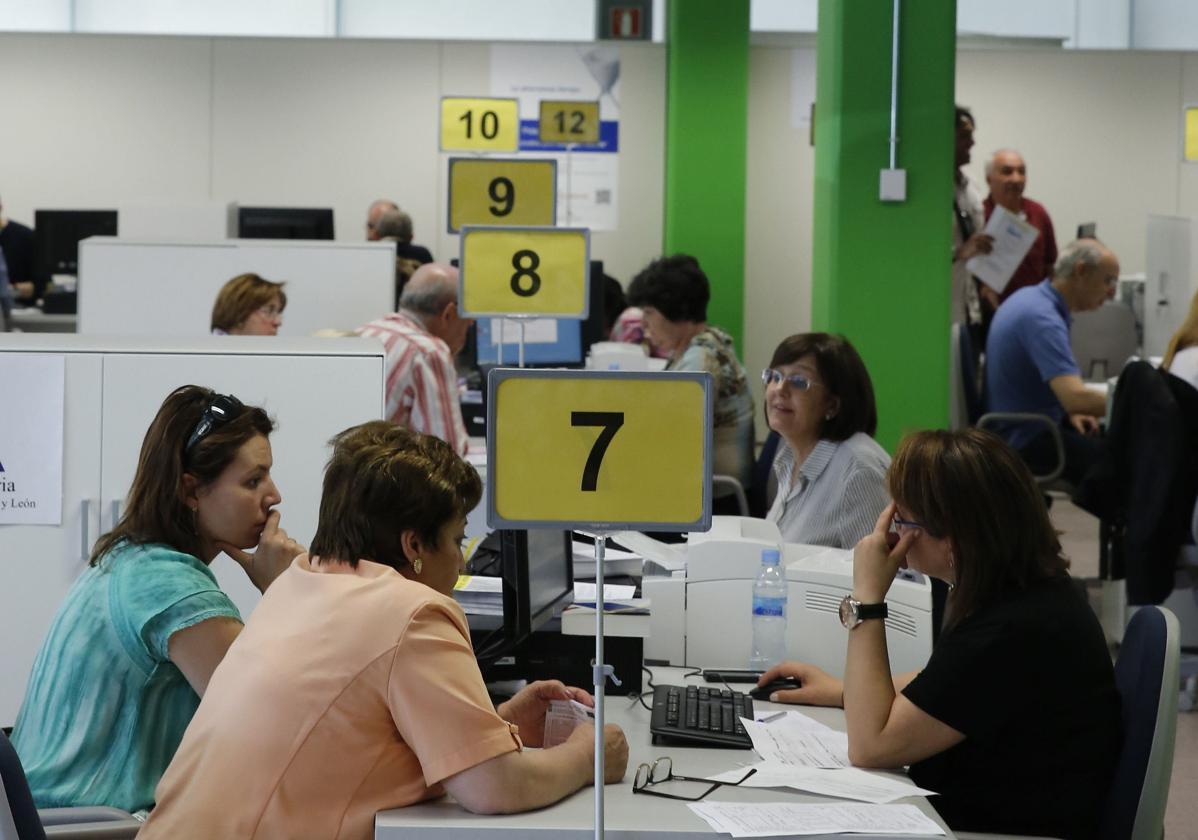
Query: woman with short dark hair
x=831 y=472
x=135 y=643
x=673 y=293
x=354 y=687
x=1019 y=694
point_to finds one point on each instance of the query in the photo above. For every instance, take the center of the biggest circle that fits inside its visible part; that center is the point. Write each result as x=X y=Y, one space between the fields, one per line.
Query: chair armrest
x=93 y=822
x=728 y=482
x=995 y=418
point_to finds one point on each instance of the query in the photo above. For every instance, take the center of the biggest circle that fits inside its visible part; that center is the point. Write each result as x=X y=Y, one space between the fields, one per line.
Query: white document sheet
x=562 y=718
x=842 y=782
x=584 y=591
x=791 y=718
x=772 y=819
x=1013 y=238
x=796 y=744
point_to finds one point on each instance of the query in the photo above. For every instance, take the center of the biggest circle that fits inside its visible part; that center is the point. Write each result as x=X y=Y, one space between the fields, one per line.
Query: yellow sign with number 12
x=600 y=450
x=479 y=125
x=541 y=271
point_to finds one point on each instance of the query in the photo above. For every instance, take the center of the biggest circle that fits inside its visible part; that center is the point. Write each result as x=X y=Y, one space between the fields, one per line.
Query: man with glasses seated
x=831 y=472
x=1030 y=365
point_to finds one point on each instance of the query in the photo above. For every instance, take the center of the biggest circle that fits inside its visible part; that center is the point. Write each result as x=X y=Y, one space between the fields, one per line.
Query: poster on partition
x=33 y=390
x=588 y=173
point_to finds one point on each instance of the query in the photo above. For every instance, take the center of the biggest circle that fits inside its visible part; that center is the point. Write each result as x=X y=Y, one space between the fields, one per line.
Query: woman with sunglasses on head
x=131 y=649
x=831 y=472
x=355 y=688
x=249 y=305
x=1019 y=695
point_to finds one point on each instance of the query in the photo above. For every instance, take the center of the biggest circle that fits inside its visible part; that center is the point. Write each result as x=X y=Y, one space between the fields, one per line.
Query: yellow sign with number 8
x=479 y=125
x=599 y=449
x=540 y=271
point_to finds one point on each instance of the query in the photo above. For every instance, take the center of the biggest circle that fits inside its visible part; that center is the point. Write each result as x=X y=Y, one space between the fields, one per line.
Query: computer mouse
x=781 y=684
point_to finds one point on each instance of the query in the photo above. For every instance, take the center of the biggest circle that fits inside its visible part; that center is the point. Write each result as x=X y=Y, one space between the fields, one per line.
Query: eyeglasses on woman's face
x=798 y=381
x=903 y=525
x=662 y=771
x=271 y=312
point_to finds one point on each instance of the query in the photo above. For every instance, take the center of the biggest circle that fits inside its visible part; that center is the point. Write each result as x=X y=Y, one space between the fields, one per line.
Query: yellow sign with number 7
x=539 y=271
x=599 y=450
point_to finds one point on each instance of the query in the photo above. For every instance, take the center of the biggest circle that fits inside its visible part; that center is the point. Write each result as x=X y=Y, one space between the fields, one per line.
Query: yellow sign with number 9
x=540 y=271
x=501 y=191
x=599 y=449
x=479 y=125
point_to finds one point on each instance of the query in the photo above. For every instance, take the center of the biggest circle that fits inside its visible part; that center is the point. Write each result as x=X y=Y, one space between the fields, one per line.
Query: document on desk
x=663 y=554
x=1013 y=238
x=773 y=819
x=794 y=743
x=841 y=782
x=589 y=592
x=562 y=718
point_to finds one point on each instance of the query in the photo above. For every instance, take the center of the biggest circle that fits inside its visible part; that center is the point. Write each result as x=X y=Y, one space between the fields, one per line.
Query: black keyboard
x=700 y=715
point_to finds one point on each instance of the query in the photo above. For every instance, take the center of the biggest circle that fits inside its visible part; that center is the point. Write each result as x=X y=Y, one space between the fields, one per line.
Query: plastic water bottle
x=769 y=613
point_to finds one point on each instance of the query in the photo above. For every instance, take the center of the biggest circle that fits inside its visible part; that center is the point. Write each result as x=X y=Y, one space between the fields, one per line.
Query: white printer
x=702 y=616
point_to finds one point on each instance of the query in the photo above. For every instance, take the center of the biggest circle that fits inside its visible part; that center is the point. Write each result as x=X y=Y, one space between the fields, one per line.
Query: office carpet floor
x=1079 y=539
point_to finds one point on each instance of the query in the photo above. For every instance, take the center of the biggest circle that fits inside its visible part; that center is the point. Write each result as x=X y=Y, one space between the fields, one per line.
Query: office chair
x=763 y=484
x=1103 y=340
x=21 y=820
x=967 y=408
x=1146 y=675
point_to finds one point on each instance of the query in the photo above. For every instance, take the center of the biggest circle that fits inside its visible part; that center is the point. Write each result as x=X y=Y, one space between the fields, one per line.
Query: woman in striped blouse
x=831 y=472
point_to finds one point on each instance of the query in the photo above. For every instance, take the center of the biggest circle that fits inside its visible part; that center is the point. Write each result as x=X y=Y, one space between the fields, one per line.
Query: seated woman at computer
x=672 y=293
x=134 y=644
x=831 y=472
x=1181 y=355
x=249 y=305
x=354 y=687
x=1015 y=719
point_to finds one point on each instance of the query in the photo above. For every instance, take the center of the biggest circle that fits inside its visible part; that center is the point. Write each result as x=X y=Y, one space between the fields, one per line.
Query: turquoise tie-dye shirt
x=105 y=708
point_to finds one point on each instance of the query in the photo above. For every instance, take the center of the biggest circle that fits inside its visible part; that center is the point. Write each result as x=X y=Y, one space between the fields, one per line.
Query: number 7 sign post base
x=599 y=451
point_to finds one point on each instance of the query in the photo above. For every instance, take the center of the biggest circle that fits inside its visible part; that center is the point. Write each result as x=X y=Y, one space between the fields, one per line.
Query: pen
x=773 y=717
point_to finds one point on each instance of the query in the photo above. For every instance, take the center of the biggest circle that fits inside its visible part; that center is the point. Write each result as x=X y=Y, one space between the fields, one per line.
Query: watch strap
x=868 y=611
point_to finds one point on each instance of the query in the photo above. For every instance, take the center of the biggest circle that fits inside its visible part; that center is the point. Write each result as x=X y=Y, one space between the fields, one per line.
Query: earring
x=417 y=565
x=952 y=565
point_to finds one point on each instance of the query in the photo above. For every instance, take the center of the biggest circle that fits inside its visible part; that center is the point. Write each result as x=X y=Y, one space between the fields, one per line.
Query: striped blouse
x=837 y=495
x=421 y=382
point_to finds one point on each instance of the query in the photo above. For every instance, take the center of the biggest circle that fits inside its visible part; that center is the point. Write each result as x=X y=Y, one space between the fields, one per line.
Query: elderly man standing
x=374 y=213
x=1030 y=365
x=421 y=340
x=968 y=220
x=1006 y=174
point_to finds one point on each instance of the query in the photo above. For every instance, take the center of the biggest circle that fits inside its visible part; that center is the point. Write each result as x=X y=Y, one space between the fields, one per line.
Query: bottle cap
x=770 y=557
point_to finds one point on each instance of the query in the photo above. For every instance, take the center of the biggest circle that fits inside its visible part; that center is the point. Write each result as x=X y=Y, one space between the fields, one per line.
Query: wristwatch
x=853 y=612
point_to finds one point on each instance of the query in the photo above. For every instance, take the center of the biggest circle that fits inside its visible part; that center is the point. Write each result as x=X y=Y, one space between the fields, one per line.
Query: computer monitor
x=548 y=342
x=285 y=222
x=56 y=236
x=537 y=569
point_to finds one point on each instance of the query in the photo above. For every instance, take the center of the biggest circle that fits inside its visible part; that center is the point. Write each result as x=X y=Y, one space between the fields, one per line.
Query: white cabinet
x=312 y=388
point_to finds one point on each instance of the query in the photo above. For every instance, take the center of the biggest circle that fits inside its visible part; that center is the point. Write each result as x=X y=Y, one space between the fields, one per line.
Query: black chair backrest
x=760 y=476
x=969 y=376
x=1139 y=672
x=16 y=789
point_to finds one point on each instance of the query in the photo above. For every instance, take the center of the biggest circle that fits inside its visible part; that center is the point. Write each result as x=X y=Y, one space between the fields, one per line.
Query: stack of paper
x=615 y=561
x=841 y=782
x=773 y=819
x=479 y=595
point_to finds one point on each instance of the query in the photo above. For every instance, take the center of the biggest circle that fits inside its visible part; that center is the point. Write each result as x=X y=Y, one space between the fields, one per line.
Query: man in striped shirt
x=421 y=340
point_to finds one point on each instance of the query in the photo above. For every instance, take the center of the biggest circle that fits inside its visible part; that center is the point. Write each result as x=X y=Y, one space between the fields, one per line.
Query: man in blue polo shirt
x=1030 y=365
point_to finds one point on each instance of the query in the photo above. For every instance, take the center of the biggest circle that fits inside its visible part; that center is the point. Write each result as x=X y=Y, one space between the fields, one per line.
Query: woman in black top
x=1014 y=721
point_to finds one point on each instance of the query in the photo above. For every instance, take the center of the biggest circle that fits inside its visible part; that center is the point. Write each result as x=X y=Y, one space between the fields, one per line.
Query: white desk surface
x=626 y=816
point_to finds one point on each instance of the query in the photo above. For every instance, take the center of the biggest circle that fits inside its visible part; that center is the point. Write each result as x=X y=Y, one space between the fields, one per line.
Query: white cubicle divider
x=1169 y=285
x=202 y=221
x=312 y=388
x=145 y=288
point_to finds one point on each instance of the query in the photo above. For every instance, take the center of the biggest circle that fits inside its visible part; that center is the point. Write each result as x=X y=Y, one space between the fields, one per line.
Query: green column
x=880 y=271
x=707 y=103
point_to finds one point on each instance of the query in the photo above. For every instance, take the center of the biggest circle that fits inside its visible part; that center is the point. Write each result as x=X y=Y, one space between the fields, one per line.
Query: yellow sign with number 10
x=601 y=450
x=479 y=125
x=542 y=271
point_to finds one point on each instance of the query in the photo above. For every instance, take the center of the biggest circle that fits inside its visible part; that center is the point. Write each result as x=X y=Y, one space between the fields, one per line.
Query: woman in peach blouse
x=354 y=688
